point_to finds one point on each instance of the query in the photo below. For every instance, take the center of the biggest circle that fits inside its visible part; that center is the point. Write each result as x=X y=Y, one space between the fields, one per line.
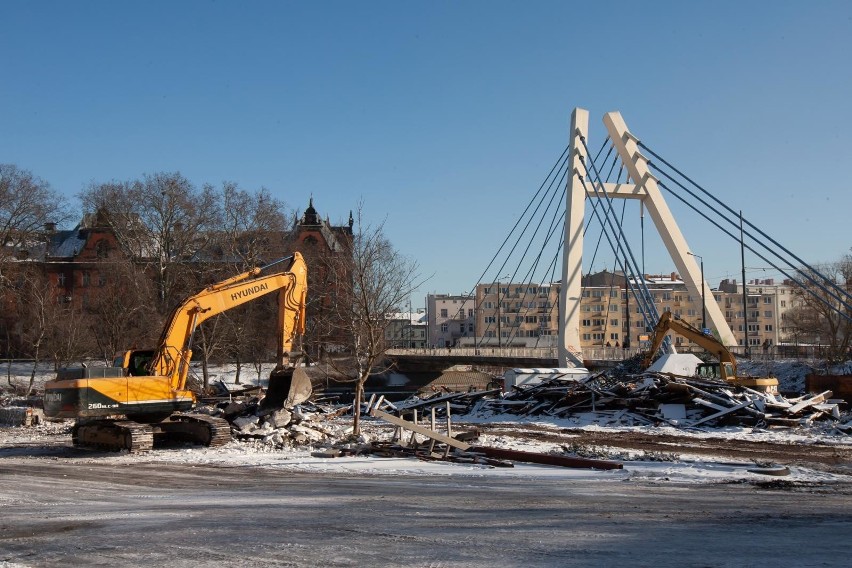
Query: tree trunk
x=8 y=359
x=33 y=372
x=239 y=367
x=356 y=408
x=205 y=372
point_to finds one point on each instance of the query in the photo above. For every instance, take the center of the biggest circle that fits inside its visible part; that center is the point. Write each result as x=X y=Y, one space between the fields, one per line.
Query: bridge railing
x=594 y=353
x=809 y=353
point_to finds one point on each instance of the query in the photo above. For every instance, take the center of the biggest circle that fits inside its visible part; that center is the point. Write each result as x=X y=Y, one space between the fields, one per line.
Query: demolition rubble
x=441 y=425
x=423 y=427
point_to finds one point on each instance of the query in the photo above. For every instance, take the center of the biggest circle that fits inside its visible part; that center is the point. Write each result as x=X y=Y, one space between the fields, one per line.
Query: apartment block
x=450 y=319
x=515 y=315
x=406 y=330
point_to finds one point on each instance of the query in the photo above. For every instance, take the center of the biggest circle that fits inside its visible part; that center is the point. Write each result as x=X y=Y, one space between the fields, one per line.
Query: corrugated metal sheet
x=459 y=381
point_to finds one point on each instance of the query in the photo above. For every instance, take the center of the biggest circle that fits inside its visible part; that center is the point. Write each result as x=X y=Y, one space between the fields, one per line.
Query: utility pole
x=499 y=328
x=745 y=291
x=703 y=292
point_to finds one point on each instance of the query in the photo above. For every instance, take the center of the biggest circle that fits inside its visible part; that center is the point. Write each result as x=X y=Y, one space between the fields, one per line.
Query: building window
x=767 y=314
x=102 y=279
x=586 y=323
x=767 y=299
x=767 y=328
x=470 y=328
x=443 y=312
x=102 y=249
x=444 y=328
x=470 y=313
x=85 y=279
x=60 y=280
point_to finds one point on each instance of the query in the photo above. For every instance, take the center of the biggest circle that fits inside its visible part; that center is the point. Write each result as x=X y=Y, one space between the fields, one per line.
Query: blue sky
x=443 y=117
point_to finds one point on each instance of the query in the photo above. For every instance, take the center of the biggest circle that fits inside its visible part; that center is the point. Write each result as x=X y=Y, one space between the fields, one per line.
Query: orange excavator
x=725 y=369
x=144 y=395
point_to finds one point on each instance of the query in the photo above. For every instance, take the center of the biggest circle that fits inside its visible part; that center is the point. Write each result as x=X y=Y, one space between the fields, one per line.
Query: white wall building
x=449 y=319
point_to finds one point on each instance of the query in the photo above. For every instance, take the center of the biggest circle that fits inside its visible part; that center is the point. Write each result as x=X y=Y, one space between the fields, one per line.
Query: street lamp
x=499 y=315
x=703 y=303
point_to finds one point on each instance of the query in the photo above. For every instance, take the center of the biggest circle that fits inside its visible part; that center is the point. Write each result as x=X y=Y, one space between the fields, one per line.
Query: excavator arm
x=174 y=351
x=667 y=323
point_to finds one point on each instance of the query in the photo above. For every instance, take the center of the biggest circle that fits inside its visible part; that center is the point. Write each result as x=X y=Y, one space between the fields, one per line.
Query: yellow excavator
x=725 y=369
x=144 y=393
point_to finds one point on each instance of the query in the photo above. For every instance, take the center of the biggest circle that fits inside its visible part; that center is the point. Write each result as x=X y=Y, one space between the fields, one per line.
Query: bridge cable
x=721 y=215
x=761 y=232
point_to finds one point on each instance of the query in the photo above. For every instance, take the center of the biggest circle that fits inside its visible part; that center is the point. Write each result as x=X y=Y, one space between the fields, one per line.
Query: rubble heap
x=647 y=399
x=279 y=427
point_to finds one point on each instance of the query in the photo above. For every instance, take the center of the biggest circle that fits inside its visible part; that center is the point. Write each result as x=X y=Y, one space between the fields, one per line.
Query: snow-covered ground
x=41 y=443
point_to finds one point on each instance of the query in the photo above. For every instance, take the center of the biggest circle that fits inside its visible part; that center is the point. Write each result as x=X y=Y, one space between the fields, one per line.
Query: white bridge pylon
x=643 y=186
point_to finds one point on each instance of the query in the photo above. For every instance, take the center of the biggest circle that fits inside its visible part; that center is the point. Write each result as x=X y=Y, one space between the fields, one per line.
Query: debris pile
x=21 y=416
x=646 y=399
x=279 y=427
x=435 y=445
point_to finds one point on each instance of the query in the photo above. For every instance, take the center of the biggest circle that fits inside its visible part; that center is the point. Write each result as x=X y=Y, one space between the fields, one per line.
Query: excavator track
x=114 y=435
x=197 y=429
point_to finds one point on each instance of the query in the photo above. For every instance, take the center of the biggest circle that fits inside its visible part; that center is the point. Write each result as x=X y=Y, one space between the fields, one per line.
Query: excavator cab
x=708 y=371
x=135 y=362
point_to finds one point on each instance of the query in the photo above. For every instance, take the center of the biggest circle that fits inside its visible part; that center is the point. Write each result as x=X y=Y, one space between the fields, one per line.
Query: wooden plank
x=722 y=413
x=449 y=430
x=420 y=430
x=810 y=402
x=709 y=404
x=546 y=459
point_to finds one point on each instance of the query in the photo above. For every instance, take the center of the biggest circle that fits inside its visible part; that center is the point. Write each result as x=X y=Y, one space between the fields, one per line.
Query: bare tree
x=122 y=313
x=252 y=223
x=162 y=220
x=818 y=318
x=373 y=284
x=36 y=313
x=27 y=204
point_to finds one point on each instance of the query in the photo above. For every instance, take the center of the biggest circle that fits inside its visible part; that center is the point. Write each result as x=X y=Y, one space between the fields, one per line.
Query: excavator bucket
x=287 y=388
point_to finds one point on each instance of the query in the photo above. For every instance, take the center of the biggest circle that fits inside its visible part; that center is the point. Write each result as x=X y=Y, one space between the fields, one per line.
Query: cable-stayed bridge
x=592 y=189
